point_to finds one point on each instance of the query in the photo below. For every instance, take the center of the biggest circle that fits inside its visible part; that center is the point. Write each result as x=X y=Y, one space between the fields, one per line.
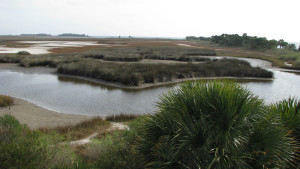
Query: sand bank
x=37 y=117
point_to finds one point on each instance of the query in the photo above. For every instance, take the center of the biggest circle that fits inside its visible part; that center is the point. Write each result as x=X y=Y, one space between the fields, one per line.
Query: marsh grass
x=51 y=61
x=121 y=117
x=81 y=130
x=10 y=58
x=6 y=101
x=136 y=74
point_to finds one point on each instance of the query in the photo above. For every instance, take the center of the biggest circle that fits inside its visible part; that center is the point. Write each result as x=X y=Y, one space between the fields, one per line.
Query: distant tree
x=299 y=48
x=198 y=38
x=282 y=43
x=291 y=46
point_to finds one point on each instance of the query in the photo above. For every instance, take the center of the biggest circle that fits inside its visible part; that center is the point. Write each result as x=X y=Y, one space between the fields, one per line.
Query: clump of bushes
x=115 y=150
x=214 y=125
x=6 y=101
x=23 y=53
x=135 y=74
x=22 y=148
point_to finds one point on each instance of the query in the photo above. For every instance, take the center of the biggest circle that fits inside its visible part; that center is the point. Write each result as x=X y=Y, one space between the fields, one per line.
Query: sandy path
x=113 y=126
x=37 y=117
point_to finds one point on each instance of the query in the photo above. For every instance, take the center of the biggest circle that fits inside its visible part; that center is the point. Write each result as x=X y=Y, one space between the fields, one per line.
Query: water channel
x=75 y=96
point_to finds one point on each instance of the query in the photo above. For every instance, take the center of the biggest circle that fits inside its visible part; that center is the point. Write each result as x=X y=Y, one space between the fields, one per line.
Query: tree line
x=251 y=42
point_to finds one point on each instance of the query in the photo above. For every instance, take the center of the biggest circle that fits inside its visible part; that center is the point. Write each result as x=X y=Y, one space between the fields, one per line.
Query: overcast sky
x=274 y=19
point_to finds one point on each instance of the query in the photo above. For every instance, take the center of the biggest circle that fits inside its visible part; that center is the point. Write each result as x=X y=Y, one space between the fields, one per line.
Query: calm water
x=73 y=96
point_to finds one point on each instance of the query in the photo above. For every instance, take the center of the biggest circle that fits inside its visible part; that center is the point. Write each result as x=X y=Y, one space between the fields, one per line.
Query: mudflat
x=37 y=117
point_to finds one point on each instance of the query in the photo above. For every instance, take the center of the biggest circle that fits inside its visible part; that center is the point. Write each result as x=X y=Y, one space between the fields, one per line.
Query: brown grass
x=121 y=117
x=81 y=130
x=6 y=101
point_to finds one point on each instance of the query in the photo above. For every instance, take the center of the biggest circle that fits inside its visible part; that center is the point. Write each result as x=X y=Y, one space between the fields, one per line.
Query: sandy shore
x=37 y=117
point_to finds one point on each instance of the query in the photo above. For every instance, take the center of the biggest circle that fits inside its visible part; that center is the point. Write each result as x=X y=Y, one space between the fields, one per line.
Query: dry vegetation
x=80 y=130
x=6 y=101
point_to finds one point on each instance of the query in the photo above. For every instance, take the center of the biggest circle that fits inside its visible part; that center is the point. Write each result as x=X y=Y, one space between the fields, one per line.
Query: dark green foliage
x=198 y=38
x=134 y=74
x=289 y=111
x=213 y=125
x=23 y=53
x=252 y=42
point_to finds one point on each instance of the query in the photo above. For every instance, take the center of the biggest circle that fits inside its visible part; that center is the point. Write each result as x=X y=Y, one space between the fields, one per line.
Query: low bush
x=6 y=101
x=23 y=53
x=114 y=151
x=22 y=148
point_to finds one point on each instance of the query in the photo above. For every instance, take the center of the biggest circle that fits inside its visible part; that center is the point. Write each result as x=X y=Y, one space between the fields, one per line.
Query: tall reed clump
x=23 y=148
x=6 y=101
x=213 y=125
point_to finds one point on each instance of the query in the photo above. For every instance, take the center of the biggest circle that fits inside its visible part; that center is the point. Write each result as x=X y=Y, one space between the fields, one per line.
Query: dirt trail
x=113 y=126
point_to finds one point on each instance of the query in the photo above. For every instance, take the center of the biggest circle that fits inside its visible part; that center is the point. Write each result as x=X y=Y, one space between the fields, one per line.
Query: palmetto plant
x=289 y=112
x=213 y=125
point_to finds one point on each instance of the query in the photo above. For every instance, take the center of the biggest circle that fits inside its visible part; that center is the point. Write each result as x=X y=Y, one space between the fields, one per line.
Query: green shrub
x=289 y=112
x=114 y=151
x=23 y=148
x=213 y=125
x=6 y=101
x=23 y=53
